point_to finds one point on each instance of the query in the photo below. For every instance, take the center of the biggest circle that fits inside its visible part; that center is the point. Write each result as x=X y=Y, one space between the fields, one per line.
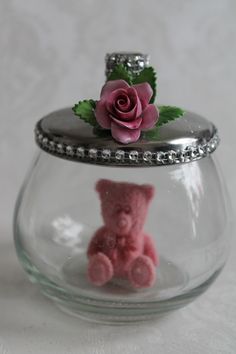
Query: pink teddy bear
x=120 y=248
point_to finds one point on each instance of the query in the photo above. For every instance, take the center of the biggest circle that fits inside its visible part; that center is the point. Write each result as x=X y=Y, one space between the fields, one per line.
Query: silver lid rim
x=124 y=157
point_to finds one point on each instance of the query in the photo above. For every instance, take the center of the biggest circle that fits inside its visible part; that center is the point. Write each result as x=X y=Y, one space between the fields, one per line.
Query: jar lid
x=184 y=140
x=116 y=129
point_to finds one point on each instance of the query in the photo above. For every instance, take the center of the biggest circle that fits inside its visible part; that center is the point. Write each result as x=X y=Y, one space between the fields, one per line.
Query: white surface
x=48 y=50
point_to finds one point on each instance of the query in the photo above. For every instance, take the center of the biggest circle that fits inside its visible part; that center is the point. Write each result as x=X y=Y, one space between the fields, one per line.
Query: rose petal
x=112 y=98
x=125 y=116
x=112 y=85
x=144 y=92
x=135 y=107
x=133 y=124
x=150 y=116
x=124 y=135
x=102 y=115
x=132 y=93
x=123 y=103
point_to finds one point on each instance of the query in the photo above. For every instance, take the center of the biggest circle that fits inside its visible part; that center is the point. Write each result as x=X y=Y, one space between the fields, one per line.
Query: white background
x=52 y=54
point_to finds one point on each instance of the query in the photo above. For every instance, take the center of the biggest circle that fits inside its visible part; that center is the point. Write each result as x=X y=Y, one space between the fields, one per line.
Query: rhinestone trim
x=92 y=153
x=133 y=155
x=80 y=152
x=119 y=155
x=69 y=150
x=125 y=157
x=147 y=156
x=106 y=154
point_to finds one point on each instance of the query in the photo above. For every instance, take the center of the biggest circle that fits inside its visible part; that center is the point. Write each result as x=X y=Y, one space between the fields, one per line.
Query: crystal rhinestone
x=133 y=155
x=45 y=141
x=120 y=155
x=194 y=153
x=214 y=140
x=217 y=140
x=60 y=148
x=147 y=156
x=51 y=145
x=213 y=144
x=201 y=151
x=160 y=156
x=80 y=152
x=178 y=156
x=40 y=137
x=69 y=150
x=209 y=148
x=106 y=154
x=187 y=154
x=113 y=58
x=171 y=156
x=93 y=153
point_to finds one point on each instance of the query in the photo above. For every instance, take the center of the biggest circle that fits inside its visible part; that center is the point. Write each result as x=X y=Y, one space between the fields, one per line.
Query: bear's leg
x=142 y=273
x=100 y=269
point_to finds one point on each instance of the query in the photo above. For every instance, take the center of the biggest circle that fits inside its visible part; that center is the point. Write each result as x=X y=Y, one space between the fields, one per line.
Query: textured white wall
x=52 y=53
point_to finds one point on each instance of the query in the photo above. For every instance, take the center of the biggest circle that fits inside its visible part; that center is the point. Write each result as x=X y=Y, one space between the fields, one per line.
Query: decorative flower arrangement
x=126 y=106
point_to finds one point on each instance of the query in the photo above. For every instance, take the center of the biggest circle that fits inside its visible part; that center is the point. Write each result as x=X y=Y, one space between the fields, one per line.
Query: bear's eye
x=127 y=209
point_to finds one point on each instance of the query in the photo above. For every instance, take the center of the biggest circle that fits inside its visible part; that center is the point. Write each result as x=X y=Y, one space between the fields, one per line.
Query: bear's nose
x=122 y=222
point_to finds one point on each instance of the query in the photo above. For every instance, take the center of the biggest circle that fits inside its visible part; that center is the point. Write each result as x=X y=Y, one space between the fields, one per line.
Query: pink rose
x=126 y=110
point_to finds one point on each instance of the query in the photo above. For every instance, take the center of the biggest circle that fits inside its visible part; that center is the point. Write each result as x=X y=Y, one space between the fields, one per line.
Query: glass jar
x=178 y=206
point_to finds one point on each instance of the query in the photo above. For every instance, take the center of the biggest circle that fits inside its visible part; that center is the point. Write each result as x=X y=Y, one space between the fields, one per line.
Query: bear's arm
x=150 y=250
x=97 y=242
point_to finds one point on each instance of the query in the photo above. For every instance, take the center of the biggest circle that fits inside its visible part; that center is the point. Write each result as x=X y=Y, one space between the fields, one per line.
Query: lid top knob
x=134 y=62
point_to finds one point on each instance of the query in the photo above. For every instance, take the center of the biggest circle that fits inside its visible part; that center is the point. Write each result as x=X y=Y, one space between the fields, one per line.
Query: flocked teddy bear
x=121 y=248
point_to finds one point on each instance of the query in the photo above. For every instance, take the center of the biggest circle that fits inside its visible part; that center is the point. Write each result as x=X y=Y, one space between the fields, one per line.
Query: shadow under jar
x=58 y=211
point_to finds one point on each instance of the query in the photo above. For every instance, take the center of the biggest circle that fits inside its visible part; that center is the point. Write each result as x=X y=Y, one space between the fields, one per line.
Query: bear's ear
x=103 y=185
x=149 y=191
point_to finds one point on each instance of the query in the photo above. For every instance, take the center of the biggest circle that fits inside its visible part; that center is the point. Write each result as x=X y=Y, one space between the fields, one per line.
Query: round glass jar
x=58 y=212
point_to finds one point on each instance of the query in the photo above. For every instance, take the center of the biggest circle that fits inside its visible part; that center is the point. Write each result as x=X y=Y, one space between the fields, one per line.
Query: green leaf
x=152 y=134
x=85 y=110
x=120 y=73
x=147 y=75
x=168 y=113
